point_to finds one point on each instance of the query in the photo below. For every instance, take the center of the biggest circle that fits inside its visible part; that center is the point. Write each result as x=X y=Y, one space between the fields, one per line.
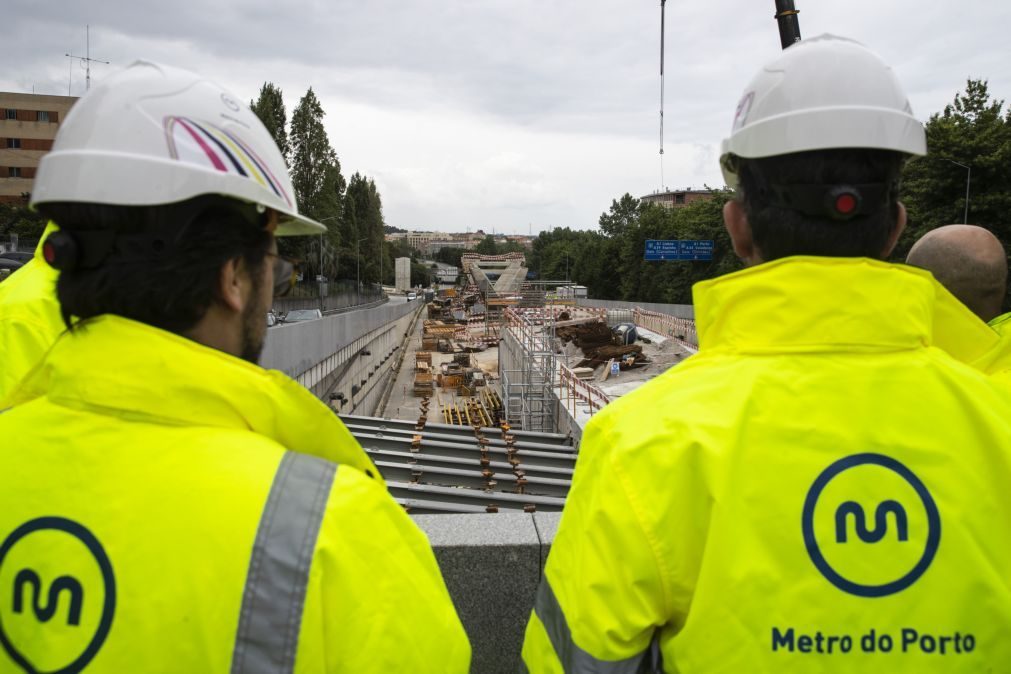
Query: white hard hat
x=152 y=134
x=823 y=93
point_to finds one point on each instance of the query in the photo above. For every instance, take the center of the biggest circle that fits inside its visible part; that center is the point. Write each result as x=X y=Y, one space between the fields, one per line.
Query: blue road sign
x=678 y=249
x=660 y=249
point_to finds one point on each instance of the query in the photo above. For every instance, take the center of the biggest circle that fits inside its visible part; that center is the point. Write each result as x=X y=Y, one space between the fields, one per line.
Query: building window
x=13 y=143
x=13 y=172
x=43 y=116
x=679 y=198
x=11 y=113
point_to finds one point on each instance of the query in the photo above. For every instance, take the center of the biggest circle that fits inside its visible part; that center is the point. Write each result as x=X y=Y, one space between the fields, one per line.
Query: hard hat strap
x=839 y=202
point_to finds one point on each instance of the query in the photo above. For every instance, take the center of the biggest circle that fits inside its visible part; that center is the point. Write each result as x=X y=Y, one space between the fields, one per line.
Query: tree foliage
x=974 y=131
x=451 y=256
x=315 y=169
x=18 y=219
x=269 y=107
x=610 y=261
x=363 y=226
x=319 y=187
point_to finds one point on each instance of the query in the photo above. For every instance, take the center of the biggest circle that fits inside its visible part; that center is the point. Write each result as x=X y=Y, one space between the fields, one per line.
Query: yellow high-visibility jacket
x=165 y=507
x=1002 y=324
x=819 y=489
x=998 y=361
x=29 y=319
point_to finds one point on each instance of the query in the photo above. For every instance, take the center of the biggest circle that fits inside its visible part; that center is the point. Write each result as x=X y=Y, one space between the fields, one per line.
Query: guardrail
x=682 y=330
x=576 y=390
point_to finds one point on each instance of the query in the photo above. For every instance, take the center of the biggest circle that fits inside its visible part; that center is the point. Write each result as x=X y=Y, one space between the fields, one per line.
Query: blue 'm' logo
x=851 y=511
x=880 y=521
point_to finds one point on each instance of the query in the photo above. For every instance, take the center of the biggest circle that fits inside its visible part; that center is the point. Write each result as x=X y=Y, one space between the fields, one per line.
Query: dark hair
x=780 y=232
x=163 y=263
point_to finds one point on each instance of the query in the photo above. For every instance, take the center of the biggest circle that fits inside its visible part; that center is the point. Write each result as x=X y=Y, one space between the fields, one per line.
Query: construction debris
x=603 y=354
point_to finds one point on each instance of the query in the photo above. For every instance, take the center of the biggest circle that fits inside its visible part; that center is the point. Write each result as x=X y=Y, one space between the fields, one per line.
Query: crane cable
x=662 y=3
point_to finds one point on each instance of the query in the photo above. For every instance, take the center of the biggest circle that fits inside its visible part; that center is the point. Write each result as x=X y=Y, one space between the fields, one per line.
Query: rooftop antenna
x=86 y=62
x=662 y=3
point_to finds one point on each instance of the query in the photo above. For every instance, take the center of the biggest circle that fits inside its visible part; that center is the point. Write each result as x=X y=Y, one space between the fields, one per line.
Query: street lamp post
x=968 y=177
x=322 y=220
x=358 y=265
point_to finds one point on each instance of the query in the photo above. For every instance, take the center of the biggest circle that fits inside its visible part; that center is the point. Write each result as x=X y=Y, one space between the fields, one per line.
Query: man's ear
x=893 y=238
x=736 y=222
x=231 y=281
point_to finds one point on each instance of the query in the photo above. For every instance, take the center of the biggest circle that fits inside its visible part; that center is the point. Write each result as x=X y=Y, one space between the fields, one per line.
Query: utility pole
x=86 y=60
x=358 y=266
x=322 y=220
x=968 y=177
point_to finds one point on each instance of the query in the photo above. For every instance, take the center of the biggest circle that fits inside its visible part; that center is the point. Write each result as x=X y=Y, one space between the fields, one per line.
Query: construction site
x=496 y=380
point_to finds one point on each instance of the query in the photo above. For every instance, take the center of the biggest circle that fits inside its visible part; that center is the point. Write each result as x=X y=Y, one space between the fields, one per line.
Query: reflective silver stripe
x=573 y=658
x=278 y=575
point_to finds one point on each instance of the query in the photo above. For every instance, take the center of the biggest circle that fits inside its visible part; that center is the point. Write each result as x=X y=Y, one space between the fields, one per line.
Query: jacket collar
x=120 y=367
x=821 y=303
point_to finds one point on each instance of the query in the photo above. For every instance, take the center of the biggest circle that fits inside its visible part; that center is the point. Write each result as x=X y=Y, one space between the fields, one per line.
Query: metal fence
x=19 y=244
x=329 y=296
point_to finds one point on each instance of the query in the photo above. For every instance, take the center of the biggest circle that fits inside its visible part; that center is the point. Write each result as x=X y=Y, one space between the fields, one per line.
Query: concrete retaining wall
x=492 y=565
x=351 y=355
x=679 y=310
x=295 y=348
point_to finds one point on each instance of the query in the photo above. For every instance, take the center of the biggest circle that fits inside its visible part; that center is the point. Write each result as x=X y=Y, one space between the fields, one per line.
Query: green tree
x=315 y=169
x=610 y=262
x=319 y=185
x=421 y=275
x=269 y=107
x=450 y=256
x=19 y=219
x=974 y=131
x=486 y=246
x=624 y=213
x=363 y=226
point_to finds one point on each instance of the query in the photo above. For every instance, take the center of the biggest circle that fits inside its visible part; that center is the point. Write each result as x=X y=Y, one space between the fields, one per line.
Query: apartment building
x=678 y=198
x=28 y=124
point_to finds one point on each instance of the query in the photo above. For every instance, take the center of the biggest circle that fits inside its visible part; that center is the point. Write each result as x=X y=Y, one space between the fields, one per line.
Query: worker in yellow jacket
x=821 y=488
x=29 y=318
x=166 y=505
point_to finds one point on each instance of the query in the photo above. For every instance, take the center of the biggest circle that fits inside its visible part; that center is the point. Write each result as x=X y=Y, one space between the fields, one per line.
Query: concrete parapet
x=295 y=348
x=492 y=565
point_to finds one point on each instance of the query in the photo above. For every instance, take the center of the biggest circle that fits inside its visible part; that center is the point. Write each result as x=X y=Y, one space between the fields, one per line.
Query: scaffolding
x=529 y=399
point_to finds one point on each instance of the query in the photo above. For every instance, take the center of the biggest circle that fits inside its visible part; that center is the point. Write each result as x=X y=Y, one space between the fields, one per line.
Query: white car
x=299 y=315
x=412 y=296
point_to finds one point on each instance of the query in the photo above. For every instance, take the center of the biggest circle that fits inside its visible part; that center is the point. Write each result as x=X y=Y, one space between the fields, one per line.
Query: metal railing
x=682 y=330
x=330 y=296
x=576 y=391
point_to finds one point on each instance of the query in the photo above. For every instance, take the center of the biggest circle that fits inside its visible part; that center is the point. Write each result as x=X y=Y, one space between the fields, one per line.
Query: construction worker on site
x=165 y=503
x=971 y=262
x=30 y=318
x=820 y=488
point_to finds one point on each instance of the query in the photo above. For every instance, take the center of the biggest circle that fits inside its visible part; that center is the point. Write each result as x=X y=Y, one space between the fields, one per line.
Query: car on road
x=300 y=315
x=17 y=255
x=412 y=296
x=272 y=319
x=6 y=263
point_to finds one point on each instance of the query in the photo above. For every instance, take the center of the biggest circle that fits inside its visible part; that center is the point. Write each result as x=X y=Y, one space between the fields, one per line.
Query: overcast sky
x=513 y=115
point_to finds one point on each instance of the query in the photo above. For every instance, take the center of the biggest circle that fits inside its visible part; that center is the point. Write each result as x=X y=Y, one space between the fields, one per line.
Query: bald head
x=969 y=261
